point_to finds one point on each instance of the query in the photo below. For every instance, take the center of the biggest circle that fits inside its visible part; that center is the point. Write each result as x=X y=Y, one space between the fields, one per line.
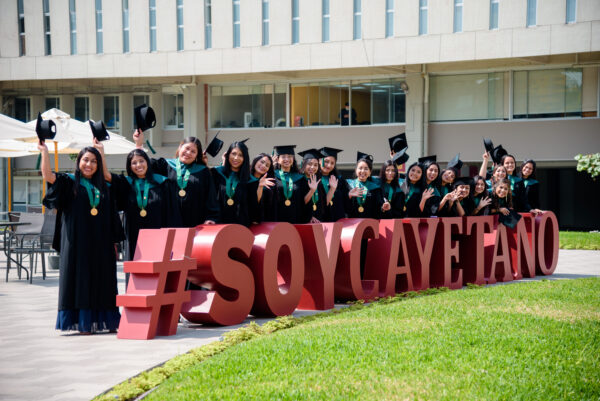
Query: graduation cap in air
x=284 y=150
x=99 y=130
x=489 y=146
x=400 y=157
x=144 y=117
x=497 y=154
x=427 y=159
x=311 y=154
x=214 y=147
x=363 y=156
x=45 y=129
x=511 y=219
x=333 y=152
x=398 y=142
x=463 y=181
x=455 y=163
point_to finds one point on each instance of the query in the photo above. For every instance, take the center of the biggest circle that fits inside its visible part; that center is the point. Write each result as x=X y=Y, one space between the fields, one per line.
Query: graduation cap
x=511 y=219
x=455 y=163
x=99 y=130
x=398 y=142
x=45 y=129
x=497 y=154
x=333 y=152
x=489 y=146
x=244 y=141
x=214 y=147
x=400 y=157
x=363 y=156
x=427 y=159
x=311 y=154
x=463 y=181
x=284 y=150
x=144 y=117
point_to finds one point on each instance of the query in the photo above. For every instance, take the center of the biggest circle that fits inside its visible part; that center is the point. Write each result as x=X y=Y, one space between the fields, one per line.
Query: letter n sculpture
x=156 y=287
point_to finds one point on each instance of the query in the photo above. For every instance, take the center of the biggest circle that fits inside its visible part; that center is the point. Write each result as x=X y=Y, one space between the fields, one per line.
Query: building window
x=82 y=108
x=265 y=22
x=152 y=10
x=547 y=93
x=173 y=111
x=494 y=4
x=27 y=194
x=138 y=100
x=295 y=21
x=207 y=24
x=52 y=103
x=467 y=97
x=423 y=17
x=357 y=23
x=21 y=13
x=458 y=15
x=47 y=38
x=248 y=106
x=531 y=12
x=325 y=22
x=99 y=40
x=236 y=23
x=125 y=26
x=23 y=109
x=571 y=11
x=73 y=26
x=111 y=112
x=179 y=24
x=389 y=18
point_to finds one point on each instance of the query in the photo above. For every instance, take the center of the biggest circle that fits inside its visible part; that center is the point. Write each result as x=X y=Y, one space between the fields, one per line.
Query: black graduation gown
x=336 y=210
x=161 y=211
x=88 y=268
x=244 y=199
x=317 y=203
x=265 y=210
x=517 y=188
x=397 y=203
x=372 y=204
x=531 y=195
x=432 y=205
x=412 y=200
x=200 y=201
x=298 y=212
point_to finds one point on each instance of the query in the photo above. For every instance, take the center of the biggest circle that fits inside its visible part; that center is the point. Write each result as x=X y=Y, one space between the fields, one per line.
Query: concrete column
x=67 y=104
x=96 y=107
x=126 y=114
x=155 y=135
x=415 y=130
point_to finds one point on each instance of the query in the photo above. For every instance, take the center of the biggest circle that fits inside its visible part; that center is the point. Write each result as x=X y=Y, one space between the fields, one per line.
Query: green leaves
x=589 y=164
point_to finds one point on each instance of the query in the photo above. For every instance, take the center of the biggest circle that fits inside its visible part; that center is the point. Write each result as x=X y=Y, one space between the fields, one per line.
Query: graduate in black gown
x=235 y=196
x=365 y=199
x=416 y=195
x=87 y=229
x=292 y=187
x=501 y=197
x=335 y=188
x=531 y=196
x=516 y=183
x=433 y=181
x=391 y=191
x=481 y=197
x=144 y=197
x=190 y=179
x=316 y=195
x=464 y=204
x=264 y=186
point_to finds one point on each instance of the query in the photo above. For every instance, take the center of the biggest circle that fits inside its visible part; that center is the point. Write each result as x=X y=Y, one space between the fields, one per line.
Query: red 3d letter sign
x=272 y=269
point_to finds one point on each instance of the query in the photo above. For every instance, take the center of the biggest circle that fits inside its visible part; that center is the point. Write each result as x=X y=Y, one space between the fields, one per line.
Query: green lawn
x=579 y=240
x=525 y=341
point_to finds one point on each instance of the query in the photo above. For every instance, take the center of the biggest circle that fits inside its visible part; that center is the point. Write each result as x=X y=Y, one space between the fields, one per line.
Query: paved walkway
x=37 y=362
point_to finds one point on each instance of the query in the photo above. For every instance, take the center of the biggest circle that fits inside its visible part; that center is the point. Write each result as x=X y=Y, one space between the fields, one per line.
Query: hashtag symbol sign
x=156 y=287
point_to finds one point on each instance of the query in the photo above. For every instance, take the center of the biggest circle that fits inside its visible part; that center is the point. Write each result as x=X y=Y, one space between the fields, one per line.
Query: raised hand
x=485 y=202
x=138 y=138
x=98 y=145
x=428 y=193
x=42 y=146
x=356 y=192
x=266 y=182
x=333 y=182
x=313 y=183
x=386 y=206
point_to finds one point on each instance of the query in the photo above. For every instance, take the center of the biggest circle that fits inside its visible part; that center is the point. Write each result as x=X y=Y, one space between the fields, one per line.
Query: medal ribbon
x=289 y=188
x=325 y=182
x=142 y=195
x=410 y=192
x=361 y=199
x=231 y=183
x=182 y=181
x=95 y=197
x=390 y=191
x=315 y=197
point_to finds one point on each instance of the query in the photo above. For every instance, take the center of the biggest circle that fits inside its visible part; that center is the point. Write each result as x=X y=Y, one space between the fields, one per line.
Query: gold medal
x=314 y=207
x=287 y=202
x=94 y=211
x=405 y=208
x=143 y=212
x=330 y=203
x=361 y=209
x=230 y=202
x=182 y=192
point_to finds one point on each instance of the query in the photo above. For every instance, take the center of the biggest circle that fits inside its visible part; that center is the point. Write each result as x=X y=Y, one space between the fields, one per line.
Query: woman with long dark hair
x=392 y=193
x=335 y=188
x=531 y=195
x=87 y=229
x=316 y=196
x=433 y=181
x=264 y=185
x=481 y=197
x=190 y=179
x=416 y=195
x=516 y=183
x=292 y=188
x=501 y=197
x=365 y=198
x=236 y=201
